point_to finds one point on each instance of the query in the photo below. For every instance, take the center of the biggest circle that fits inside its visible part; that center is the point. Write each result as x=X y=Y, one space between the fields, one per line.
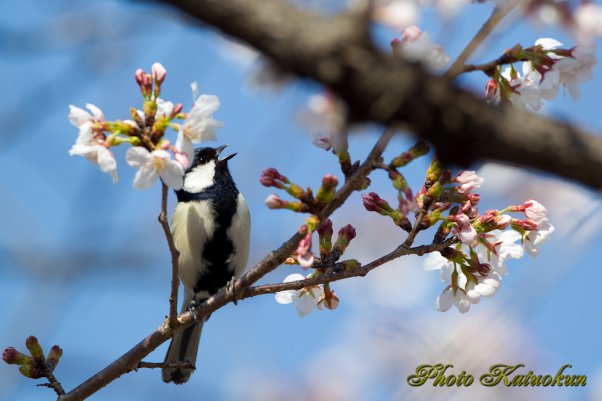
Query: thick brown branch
x=130 y=360
x=175 y=255
x=379 y=87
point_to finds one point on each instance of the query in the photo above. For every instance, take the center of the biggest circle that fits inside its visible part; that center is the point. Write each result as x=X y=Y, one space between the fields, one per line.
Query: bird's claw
x=192 y=309
x=231 y=290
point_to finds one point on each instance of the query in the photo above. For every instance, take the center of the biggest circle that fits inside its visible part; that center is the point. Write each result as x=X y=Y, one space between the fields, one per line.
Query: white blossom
x=79 y=117
x=152 y=165
x=468 y=181
x=450 y=297
x=417 y=45
x=324 y=116
x=305 y=300
x=532 y=239
x=199 y=125
x=97 y=154
x=505 y=247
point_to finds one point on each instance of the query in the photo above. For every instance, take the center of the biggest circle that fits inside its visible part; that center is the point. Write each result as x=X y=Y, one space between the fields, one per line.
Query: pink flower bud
x=274 y=202
x=525 y=224
x=158 y=73
x=466 y=232
x=177 y=109
x=491 y=89
x=468 y=181
x=139 y=76
x=374 y=203
x=34 y=347
x=272 y=178
x=53 y=357
x=13 y=357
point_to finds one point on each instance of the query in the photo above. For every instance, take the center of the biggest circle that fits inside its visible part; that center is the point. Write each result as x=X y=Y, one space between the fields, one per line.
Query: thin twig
x=494 y=19
x=128 y=361
x=329 y=277
x=161 y=365
x=53 y=383
x=175 y=254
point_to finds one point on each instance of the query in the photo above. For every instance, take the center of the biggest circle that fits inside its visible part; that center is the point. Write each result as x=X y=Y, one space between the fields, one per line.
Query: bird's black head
x=208 y=177
x=206 y=155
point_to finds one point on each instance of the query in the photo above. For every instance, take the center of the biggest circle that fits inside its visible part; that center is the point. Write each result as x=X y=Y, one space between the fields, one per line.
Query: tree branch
x=361 y=271
x=337 y=52
x=494 y=19
x=175 y=255
x=131 y=359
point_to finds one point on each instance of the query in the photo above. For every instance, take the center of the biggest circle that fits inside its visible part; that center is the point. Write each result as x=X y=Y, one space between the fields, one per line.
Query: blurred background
x=84 y=263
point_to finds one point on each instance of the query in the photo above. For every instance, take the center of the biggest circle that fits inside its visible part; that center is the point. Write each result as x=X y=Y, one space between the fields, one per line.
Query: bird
x=211 y=230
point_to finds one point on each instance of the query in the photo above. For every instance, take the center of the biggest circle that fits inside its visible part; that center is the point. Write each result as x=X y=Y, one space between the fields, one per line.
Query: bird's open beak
x=219 y=150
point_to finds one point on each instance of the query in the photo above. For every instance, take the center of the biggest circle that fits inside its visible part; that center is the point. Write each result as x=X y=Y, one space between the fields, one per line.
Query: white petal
x=138 y=156
x=96 y=112
x=445 y=300
x=195 y=90
x=434 y=261
x=145 y=177
x=164 y=108
x=461 y=301
x=286 y=297
x=200 y=125
x=548 y=43
x=485 y=290
x=107 y=162
x=462 y=280
x=473 y=295
x=294 y=277
x=78 y=116
x=305 y=304
x=172 y=175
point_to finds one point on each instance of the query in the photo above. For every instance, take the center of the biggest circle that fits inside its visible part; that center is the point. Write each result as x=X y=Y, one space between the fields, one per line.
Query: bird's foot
x=192 y=309
x=231 y=290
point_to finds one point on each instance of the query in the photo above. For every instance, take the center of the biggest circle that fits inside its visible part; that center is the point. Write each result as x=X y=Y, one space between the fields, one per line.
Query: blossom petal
x=172 y=175
x=305 y=304
x=434 y=261
x=137 y=156
x=145 y=177
x=445 y=300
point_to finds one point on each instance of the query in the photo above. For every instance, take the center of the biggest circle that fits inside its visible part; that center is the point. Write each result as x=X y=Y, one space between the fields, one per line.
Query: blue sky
x=83 y=262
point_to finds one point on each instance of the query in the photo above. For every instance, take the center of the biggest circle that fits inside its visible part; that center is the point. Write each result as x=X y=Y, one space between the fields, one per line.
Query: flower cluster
x=545 y=68
x=36 y=365
x=474 y=267
x=145 y=132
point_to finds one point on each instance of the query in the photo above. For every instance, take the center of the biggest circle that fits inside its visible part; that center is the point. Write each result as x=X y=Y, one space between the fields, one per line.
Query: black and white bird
x=210 y=227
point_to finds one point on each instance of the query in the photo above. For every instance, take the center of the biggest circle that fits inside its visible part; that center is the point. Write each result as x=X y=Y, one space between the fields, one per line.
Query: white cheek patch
x=199 y=178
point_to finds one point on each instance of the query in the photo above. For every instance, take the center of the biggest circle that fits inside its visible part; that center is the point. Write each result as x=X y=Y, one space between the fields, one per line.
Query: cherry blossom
x=97 y=154
x=416 y=45
x=532 y=239
x=305 y=300
x=450 y=297
x=152 y=165
x=325 y=118
x=468 y=180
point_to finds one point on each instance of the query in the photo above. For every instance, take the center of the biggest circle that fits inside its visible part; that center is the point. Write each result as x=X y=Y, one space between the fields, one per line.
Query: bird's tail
x=183 y=349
